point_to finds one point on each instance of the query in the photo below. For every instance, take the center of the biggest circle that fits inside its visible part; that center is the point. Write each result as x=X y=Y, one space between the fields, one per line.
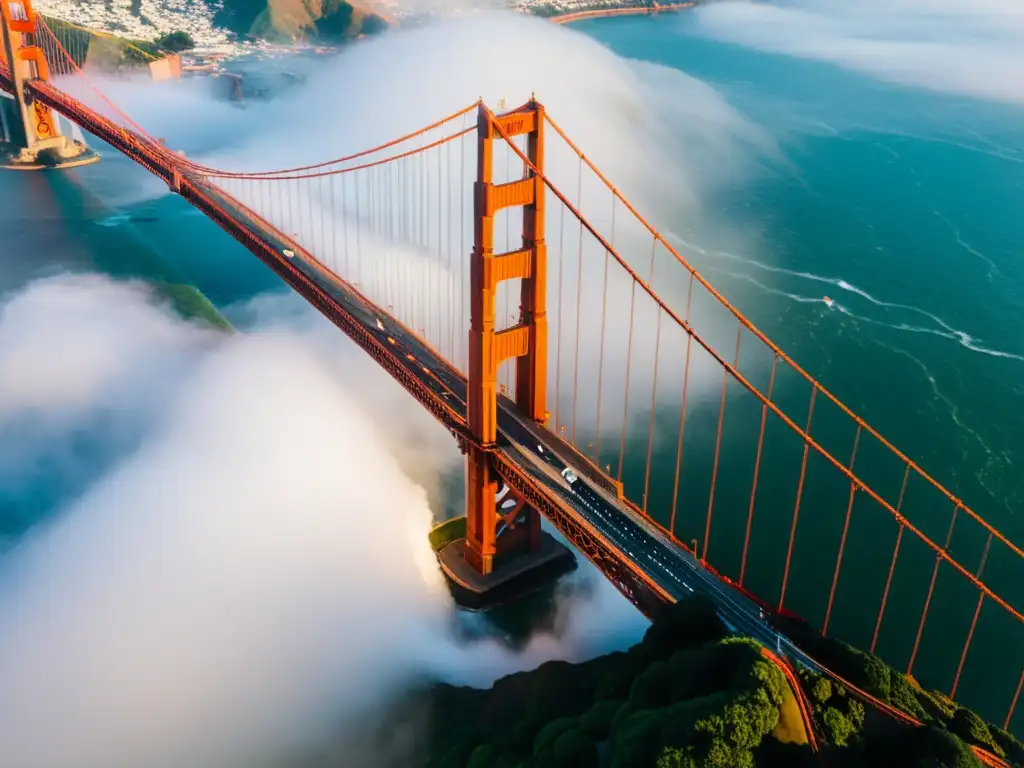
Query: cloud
x=660 y=135
x=71 y=342
x=663 y=138
x=238 y=566
x=973 y=49
x=82 y=362
x=252 y=573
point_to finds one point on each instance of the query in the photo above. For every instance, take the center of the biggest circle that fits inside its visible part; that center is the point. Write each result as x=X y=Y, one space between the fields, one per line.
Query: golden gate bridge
x=580 y=362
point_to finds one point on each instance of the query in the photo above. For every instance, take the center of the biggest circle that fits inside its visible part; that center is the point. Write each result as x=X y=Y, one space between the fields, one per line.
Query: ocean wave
x=992 y=268
x=945 y=330
x=767 y=289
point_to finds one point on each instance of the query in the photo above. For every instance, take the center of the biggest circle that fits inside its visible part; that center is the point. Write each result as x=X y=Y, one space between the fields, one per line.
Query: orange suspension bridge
x=592 y=376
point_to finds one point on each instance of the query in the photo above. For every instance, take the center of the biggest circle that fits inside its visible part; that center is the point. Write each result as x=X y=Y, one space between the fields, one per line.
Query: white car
x=569 y=475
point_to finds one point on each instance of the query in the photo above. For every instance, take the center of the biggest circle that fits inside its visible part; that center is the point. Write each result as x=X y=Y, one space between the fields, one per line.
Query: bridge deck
x=632 y=552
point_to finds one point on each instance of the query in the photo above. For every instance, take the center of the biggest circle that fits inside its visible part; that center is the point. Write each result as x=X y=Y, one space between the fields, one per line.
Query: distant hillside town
x=560 y=7
x=145 y=19
x=229 y=27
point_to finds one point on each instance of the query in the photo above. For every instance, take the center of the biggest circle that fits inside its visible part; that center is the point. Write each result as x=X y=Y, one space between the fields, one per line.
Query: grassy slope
x=447 y=532
x=189 y=302
x=104 y=51
x=289 y=20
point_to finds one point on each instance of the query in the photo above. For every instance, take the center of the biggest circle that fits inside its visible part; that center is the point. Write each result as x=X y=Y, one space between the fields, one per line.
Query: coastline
x=635 y=10
x=572 y=16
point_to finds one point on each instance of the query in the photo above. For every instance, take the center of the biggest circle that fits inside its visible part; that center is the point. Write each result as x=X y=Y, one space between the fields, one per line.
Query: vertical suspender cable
x=682 y=412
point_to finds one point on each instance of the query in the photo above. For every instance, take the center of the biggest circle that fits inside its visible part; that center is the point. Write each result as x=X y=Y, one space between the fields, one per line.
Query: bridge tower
x=33 y=137
x=504 y=541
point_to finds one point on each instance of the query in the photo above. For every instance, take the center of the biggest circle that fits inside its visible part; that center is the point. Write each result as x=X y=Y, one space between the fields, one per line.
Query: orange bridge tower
x=504 y=550
x=33 y=137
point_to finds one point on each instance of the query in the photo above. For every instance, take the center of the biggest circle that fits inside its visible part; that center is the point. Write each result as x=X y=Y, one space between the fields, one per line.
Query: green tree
x=372 y=24
x=685 y=624
x=544 y=744
x=175 y=42
x=903 y=696
x=483 y=756
x=855 y=714
x=673 y=757
x=616 y=680
x=597 y=721
x=743 y=722
x=821 y=691
x=1012 y=746
x=574 y=749
x=972 y=729
x=637 y=741
x=653 y=688
x=336 y=21
x=839 y=727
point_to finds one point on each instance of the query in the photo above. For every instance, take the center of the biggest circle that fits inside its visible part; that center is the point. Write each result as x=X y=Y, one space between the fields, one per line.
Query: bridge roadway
x=531 y=450
x=670 y=569
x=526 y=450
x=543 y=456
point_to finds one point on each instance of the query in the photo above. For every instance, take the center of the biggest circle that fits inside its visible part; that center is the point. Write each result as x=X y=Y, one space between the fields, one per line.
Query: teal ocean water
x=901 y=205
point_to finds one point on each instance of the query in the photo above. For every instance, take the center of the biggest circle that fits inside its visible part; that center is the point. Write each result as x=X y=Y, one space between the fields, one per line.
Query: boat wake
x=115 y=220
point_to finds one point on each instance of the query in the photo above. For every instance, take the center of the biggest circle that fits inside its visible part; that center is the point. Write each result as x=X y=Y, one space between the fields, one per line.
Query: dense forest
x=691 y=695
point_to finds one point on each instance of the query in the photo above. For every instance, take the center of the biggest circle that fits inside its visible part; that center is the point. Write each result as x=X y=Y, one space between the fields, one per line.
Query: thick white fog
x=965 y=48
x=244 y=566
x=663 y=138
x=659 y=134
x=253 y=572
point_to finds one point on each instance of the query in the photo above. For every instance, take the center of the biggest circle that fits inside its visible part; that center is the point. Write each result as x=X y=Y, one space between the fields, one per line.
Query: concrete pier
x=65 y=153
x=18 y=154
x=512 y=579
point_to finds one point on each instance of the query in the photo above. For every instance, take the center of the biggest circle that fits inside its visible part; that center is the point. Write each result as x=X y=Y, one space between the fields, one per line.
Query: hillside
x=283 y=21
x=213 y=24
x=689 y=695
x=110 y=52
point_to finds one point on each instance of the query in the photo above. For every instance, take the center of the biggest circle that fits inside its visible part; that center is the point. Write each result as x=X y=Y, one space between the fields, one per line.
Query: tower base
x=69 y=153
x=518 y=576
